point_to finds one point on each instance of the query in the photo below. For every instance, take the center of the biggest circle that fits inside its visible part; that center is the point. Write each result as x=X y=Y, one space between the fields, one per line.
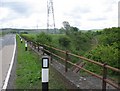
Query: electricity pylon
x=50 y=17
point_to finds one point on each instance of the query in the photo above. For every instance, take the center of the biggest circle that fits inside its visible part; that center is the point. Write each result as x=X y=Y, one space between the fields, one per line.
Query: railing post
x=38 y=47
x=35 y=46
x=43 y=50
x=31 y=44
x=51 y=54
x=104 y=77
x=66 y=59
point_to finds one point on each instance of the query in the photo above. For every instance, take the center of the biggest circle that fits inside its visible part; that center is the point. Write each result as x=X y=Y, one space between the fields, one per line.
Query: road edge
x=5 y=85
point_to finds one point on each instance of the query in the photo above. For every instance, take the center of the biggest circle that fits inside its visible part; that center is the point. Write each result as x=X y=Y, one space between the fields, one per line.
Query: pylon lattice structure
x=50 y=17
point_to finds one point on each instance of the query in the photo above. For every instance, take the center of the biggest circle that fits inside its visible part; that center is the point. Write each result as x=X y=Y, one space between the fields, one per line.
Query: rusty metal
x=112 y=68
x=55 y=55
x=92 y=61
x=100 y=77
x=55 y=49
x=104 y=77
x=66 y=59
x=112 y=84
x=38 y=48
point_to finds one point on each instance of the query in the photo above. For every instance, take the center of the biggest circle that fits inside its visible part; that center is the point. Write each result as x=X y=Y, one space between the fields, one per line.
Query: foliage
x=108 y=49
x=28 y=71
x=44 y=38
x=64 y=41
x=62 y=30
x=102 y=46
x=105 y=54
x=81 y=42
x=109 y=36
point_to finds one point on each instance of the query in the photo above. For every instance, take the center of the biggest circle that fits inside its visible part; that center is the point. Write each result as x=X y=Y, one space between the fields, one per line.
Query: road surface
x=6 y=52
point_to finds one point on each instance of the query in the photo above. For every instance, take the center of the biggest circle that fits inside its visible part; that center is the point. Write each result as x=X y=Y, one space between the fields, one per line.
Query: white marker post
x=45 y=73
x=25 y=45
x=41 y=48
x=21 y=40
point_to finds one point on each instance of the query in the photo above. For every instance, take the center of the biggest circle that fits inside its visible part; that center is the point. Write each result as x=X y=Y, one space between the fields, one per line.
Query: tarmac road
x=6 y=52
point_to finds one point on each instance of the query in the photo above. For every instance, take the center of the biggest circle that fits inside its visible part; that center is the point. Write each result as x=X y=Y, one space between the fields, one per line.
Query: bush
x=64 y=41
x=44 y=38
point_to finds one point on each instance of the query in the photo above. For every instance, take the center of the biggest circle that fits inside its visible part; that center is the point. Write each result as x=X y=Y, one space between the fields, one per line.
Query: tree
x=74 y=29
x=66 y=27
x=62 y=30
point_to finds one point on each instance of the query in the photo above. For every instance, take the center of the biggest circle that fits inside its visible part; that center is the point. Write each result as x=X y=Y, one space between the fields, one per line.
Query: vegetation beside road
x=28 y=71
x=0 y=33
x=101 y=46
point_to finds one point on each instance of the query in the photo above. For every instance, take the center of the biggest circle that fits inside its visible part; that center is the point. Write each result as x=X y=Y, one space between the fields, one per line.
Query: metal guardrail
x=104 y=66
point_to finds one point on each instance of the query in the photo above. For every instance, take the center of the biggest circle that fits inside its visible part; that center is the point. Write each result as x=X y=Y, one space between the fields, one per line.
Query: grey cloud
x=81 y=10
x=18 y=7
x=78 y=11
x=97 y=19
x=11 y=17
x=72 y=15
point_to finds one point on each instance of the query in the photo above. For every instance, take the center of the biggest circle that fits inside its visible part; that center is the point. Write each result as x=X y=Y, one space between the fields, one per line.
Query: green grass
x=28 y=68
x=0 y=33
x=28 y=71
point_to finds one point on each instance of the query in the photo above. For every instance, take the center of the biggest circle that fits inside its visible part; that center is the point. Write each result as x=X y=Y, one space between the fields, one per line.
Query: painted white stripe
x=25 y=44
x=10 y=68
x=45 y=75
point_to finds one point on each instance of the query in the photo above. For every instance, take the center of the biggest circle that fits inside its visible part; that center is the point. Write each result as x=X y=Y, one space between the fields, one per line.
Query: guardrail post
x=66 y=59
x=25 y=45
x=104 y=77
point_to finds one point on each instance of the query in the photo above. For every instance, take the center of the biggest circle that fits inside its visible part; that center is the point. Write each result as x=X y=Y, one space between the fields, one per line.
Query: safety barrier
x=104 y=66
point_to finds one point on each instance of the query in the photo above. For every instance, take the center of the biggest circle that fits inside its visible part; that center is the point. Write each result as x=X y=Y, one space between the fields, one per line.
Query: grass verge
x=28 y=71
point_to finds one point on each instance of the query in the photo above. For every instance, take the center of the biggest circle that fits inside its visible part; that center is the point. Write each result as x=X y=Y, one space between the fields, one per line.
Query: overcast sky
x=84 y=14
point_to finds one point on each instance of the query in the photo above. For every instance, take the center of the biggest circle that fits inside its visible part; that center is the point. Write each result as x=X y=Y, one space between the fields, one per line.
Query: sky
x=84 y=14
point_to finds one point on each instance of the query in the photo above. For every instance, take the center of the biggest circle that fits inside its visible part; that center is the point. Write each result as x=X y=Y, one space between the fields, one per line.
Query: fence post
x=104 y=77
x=34 y=46
x=66 y=59
x=51 y=54
x=38 y=47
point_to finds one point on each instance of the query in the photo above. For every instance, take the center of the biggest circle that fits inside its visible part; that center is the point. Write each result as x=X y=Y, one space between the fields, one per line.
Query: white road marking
x=10 y=68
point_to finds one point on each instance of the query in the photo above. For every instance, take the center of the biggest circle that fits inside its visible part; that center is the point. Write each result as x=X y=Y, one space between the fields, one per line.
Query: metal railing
x=104 y=66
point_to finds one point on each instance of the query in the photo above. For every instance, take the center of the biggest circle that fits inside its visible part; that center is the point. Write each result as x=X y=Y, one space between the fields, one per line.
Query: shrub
x=44 y=38
x=64 y=41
